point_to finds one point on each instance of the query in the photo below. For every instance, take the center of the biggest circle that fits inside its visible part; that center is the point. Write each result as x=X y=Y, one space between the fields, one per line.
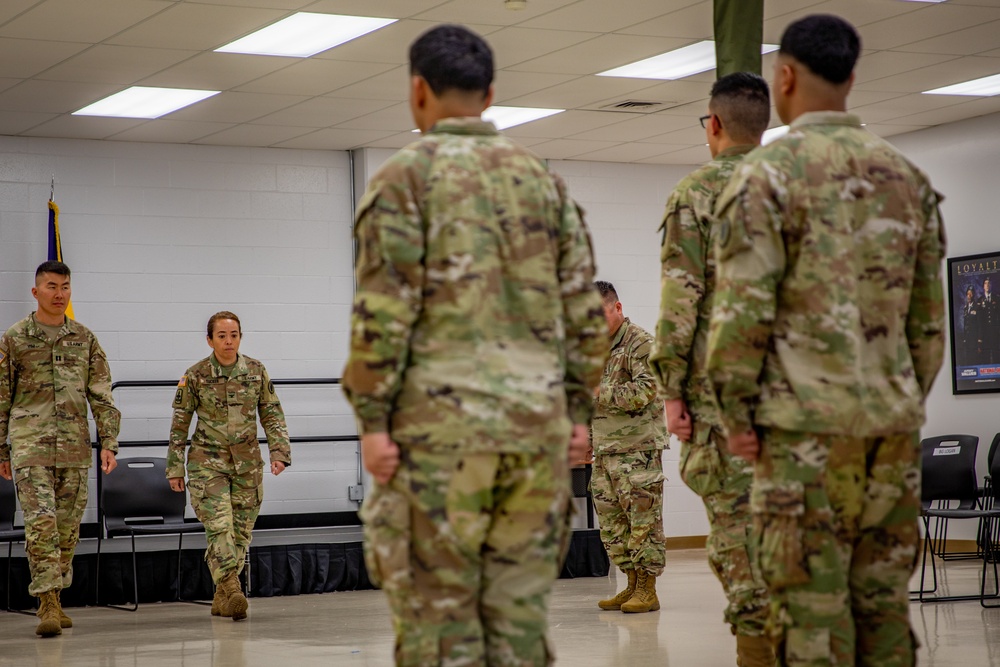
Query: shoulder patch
x=2 y=355
x=183 y=381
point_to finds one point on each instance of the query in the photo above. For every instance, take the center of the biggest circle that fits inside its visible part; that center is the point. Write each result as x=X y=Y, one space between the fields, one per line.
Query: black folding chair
x=136 y=499
x=939 y=536
x=948 y=465
x=8 y=533
x=580 y=478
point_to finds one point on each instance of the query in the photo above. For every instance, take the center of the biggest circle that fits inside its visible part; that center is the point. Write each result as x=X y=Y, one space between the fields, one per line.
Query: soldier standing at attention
x=826 y=334
x=629 y=437
x=225 y=471
x=476 y=344
x=738 y=114
x=51 y=367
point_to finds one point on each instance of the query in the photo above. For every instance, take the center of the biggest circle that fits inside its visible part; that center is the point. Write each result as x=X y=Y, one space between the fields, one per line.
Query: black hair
x=828 y=45
x=452 y=57
x=52 y=266
x=607 y=290
x=223 y=315
x=743 y=101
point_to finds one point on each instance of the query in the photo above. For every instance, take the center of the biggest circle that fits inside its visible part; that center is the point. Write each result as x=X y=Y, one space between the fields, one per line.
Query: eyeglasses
x=703 y=119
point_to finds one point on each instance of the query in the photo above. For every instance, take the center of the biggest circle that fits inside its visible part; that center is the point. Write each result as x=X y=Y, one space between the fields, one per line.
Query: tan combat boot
x=754 y=651
x=48 y=615
x=236 y=603
x=64 y=620
x=644 y=598
x=219 y=606
x=617 y=601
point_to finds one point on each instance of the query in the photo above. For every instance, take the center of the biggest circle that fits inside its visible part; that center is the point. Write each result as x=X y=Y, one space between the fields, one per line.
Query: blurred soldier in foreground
x=738 y=113
x=225 y=471
x=51 y=368
x=826 y=335
x=627 y=484
x=477 y=341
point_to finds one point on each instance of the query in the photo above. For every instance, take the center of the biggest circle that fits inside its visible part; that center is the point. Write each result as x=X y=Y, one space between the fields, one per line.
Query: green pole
x=739 y=32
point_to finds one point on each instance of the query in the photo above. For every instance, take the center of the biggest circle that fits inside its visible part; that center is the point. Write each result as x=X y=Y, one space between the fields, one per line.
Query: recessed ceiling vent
x=634 y=106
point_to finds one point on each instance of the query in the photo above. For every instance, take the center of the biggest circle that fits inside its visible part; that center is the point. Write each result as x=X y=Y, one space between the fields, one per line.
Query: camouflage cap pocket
x=385 y=515
x=701 y=464
x=778 y=508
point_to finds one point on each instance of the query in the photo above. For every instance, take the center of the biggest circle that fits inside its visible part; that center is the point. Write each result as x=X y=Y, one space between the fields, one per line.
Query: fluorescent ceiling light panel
x=985 y=87
x=676 y=64
x=772 y=134
x=145 y=102
x=925 y=0
x=504 y=117
x=305 y=34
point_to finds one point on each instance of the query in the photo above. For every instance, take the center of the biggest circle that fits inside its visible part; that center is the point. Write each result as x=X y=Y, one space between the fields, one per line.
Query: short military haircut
x=828 y=45
x=743 y=102
x=607 y=290
x=223 y=315
x=452 y=57
x=52 y=266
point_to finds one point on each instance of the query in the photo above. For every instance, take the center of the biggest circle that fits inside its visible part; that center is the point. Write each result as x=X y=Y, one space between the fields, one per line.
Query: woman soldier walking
x=224 y=466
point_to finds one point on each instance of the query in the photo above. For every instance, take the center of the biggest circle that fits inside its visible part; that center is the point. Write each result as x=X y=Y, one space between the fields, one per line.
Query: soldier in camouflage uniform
x=51 y=367
x=225 y=470
x=476 y=343
x=627 y=481
x=825 y=337
x=738 y=113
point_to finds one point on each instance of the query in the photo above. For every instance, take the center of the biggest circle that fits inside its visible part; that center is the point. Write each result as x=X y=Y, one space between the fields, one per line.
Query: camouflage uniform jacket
x=829 y=308
x=628 y=416
x=225 y=437
x=45 y=387
x=687 y=284
x=476 y=326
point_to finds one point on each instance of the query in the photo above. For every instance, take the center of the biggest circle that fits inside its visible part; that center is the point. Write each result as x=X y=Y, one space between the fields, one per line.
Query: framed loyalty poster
x=975 y=322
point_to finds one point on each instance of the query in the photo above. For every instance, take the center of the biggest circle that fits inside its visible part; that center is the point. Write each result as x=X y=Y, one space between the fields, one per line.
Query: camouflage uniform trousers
x=227 y=505
x=53 y=500
x=837 y=517
x=466 y=548
x=628 y=497
x=723 y=482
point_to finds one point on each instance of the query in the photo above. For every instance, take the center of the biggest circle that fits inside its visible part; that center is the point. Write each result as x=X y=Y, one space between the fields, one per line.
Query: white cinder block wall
x=624 y=207
x=159 y=237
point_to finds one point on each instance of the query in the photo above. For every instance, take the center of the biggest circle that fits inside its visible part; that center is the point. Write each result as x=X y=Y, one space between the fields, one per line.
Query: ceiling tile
x=952 y=71
x=322 y=112
x=187 y=25
x=600 y=54
x=493 y=12
x=82 y=127
x=393 y=84
x=971 y=41
x=52 y=96
x=217 y=71
x=694 y=22
x=71 y=20
x=927 y=22
x=15 y=122
x=630 y=152
x=881 y=64
x=122 y=65
x=585 y=91
x=508 y=85
x=332 y=139
x=263 y=4
x=515 y=45
x=314 y=77
x=601 y=15
x=563 y=124
x=693 y=155
x=975 y=107
x=390 y=44
x=636 y=128
x=397 y=140
x=776 y=8
x=862 y=12
x=891 y=130
x=163 y=130
x=561 y=149
x=396 y=118
x=23 y=58
x=691 y=134
x=395 y=9
x=252 y=135
x=11 y=8
x=906 y=104
x=235 y=107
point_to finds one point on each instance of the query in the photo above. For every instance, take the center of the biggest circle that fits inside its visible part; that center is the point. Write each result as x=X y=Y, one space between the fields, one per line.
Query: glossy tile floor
x=353 y=629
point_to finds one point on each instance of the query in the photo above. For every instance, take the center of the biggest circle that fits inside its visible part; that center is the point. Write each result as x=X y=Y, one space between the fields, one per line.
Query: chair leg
x=135 y=582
